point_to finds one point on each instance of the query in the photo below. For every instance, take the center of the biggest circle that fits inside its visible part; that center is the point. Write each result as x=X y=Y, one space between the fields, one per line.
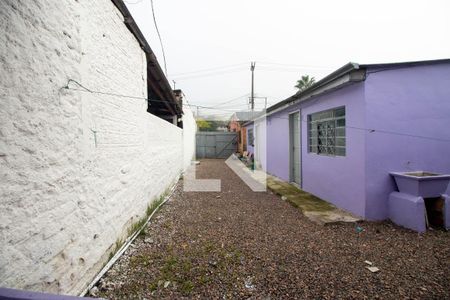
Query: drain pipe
x=127 y=244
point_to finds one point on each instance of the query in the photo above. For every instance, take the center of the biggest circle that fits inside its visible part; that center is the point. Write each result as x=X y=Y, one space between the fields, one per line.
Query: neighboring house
x=256 y=130
x=80 y=160
x=340 y=138
x=237 y=119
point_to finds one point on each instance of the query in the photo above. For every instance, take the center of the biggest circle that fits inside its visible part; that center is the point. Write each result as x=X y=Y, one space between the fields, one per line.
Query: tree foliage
x=305 y=82
x=210 y=125
x=203 y=125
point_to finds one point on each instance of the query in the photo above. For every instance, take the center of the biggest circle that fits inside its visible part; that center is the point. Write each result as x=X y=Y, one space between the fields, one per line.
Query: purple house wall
x=338 y=179
x=397 y=119
x=414 y=101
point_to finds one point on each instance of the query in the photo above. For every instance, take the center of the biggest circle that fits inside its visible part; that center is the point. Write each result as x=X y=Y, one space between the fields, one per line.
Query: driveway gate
x=215 y=144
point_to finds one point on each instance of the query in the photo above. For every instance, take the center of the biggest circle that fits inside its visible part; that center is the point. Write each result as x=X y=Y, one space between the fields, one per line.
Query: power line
x=232 y=100
x=235 y=105
x=271 y=65
x=212 y=108
x=85 y=89
x=295 y=65
x=209 y=69
x=371 y=130
x=236 y=67
x=157 y=31
x=159 y=36
x=219 y=72
x=285 y=70
x=252 y=95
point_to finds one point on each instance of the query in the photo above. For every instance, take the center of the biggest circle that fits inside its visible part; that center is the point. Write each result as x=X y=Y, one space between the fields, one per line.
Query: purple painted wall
x=414 y=101
x=278 y=144
x=339 y=180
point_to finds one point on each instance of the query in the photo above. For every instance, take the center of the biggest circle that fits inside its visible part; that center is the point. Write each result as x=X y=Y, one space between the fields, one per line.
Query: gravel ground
x=240 y=244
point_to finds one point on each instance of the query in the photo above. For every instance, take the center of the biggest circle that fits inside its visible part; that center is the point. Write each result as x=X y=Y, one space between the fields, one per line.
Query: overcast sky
x=286 y=38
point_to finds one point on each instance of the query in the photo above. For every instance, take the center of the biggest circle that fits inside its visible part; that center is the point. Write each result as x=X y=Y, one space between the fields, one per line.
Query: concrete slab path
x=314 y=208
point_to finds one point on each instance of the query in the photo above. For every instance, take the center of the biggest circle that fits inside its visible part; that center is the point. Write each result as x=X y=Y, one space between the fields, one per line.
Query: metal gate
x=215 y=144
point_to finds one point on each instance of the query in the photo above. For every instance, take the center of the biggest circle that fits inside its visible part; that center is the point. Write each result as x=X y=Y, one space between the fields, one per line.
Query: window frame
x=327 y=126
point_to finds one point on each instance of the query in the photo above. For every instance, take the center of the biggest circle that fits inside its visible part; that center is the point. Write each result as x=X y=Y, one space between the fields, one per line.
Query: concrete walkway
x=315 y=209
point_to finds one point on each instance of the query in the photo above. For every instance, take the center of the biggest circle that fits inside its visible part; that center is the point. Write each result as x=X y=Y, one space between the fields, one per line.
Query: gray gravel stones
x=254 y=245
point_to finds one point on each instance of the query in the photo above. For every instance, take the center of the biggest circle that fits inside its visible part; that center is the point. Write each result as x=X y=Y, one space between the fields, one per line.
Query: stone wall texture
x=76 y=168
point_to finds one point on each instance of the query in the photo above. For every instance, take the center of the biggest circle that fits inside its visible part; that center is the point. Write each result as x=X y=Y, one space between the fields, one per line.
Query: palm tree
x=305 y=82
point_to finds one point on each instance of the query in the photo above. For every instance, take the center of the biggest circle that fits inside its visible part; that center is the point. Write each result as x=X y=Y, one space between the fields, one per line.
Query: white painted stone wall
x=77 y=169
x=189 y=131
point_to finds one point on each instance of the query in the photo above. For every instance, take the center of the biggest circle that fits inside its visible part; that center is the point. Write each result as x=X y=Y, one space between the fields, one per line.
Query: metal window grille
x=326 y=132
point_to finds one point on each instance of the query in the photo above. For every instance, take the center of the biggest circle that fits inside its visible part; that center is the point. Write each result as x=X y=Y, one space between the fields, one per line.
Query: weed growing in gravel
x=138 y=225
x=116 y=248
x=143 y=233
x=150 y=209
x=187 y=287
x=187 y=268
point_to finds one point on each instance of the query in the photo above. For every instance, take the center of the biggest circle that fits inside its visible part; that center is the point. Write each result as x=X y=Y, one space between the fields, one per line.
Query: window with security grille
x=326 y=132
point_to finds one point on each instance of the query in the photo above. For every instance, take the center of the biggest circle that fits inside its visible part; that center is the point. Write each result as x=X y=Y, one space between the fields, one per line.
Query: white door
x=295 y=148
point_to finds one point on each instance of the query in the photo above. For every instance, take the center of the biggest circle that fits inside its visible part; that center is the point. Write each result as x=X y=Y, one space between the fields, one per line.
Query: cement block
x=407 y=211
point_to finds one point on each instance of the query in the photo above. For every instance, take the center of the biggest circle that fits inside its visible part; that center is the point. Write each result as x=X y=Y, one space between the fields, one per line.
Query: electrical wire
x=283 y=70
x=85 y=89
x=241 y=67
x=270 y=65
x=159 y=36
x=233 y=70
x=371 y=130
x=232 y=100
x=209 y=69
x=294 y=65
x=157 y=31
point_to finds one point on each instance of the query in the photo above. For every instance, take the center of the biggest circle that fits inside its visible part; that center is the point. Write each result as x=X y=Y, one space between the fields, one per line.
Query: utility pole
x=174 y=84
x=252 y=99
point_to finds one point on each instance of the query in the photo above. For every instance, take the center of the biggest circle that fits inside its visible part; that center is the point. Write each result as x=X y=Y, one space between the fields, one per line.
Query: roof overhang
x=156 y=79
x=346 y=75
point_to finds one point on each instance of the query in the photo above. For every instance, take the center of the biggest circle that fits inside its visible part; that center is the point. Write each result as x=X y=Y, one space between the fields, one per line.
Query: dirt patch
x=238 y=244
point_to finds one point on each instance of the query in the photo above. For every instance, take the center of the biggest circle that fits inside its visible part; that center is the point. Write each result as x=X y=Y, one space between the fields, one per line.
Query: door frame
x=256 y=143
x=291 y=177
